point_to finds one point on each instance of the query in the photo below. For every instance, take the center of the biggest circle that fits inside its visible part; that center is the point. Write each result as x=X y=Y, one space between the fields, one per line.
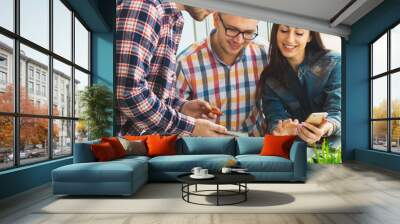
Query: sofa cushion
x=277 y=145
x=161 y=145
x=116 y=145
x=206 y=145
x=185 y=163
x=249 y=145
x=112 y=171
x=134 y=147
x=129 y=159
x=257 y=163
x=103 y=152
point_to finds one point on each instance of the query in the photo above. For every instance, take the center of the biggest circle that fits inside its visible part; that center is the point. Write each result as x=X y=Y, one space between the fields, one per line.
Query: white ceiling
x=317 y=15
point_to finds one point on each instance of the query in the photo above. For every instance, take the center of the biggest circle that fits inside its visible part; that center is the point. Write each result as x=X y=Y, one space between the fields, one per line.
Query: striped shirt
x=232 y=88
x=147 y=37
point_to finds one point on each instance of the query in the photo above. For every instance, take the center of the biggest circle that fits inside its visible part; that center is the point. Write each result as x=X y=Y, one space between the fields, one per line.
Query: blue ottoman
x=118 y=177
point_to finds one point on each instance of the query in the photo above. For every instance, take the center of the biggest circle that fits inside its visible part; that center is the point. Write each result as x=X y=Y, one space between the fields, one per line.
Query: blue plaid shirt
x=147 y=37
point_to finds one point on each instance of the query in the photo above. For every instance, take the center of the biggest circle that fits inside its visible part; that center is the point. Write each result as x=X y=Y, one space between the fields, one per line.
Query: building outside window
x=385 y=95
x=34 y=69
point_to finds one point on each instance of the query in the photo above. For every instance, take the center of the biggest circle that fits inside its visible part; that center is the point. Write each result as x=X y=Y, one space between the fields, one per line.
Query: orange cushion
x=277 y=146
x=103 y=152
x=116 y=145
x=161 y=145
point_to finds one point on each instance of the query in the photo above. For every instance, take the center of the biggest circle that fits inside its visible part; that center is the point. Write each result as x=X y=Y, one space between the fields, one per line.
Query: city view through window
x=385 y=82
x=39 y=113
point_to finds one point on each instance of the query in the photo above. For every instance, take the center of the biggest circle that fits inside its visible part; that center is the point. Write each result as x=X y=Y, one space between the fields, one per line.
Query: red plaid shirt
x=147 y=37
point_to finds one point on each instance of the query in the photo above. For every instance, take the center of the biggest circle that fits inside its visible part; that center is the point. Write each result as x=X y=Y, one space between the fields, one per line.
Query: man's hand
x=311 y=133
x=286 y=127
x=207 y=128
x=198 y=109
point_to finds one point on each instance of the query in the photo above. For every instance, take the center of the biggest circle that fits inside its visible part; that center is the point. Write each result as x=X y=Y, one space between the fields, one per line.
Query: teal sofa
x=125 y=176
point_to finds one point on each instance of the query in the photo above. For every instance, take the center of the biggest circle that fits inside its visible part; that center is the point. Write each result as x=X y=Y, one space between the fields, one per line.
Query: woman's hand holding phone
x=312 y=133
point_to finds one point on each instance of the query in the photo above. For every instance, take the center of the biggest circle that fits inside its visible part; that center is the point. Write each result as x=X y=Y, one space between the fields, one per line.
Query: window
x=63 y=75
x=62 y=29
x=81 y=45
x=35 y=22
x=30 y=87
x=3 y=61
x=7 y=14
x=44 y=91
x=53 y=125
x=3 y=78
x=38 y=89
x=3 y=71
x=385 y=97
x=81 y=81
x=37 y=74
x=30 y=72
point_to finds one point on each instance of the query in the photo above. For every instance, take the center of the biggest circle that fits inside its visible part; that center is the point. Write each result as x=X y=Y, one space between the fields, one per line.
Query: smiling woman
x=302 y=77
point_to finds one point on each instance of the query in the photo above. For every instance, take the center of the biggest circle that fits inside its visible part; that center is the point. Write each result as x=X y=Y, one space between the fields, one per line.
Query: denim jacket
x=322 y=83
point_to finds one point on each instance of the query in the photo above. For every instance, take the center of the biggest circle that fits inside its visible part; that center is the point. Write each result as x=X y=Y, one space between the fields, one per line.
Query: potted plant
x=96 y=102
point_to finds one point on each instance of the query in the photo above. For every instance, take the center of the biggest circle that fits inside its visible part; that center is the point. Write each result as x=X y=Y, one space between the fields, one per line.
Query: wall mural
x=232 y=76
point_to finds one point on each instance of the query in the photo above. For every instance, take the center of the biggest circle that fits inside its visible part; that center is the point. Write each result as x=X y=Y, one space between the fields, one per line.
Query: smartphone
x=316 y=118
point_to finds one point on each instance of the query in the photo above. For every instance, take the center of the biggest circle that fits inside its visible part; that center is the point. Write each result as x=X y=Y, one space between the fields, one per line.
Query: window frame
x=388 y=74
x=15 y=68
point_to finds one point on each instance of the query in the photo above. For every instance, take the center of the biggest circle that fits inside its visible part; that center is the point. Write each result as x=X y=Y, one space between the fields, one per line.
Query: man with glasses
x=224 y=70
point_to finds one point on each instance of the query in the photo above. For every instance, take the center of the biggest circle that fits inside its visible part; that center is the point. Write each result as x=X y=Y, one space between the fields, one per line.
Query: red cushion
x=116 y=145
x=103 y=152
x=277 y=146
x=161 y=145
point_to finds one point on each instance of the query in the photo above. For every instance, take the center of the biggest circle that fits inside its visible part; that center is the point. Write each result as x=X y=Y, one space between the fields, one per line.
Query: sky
x=35 y=27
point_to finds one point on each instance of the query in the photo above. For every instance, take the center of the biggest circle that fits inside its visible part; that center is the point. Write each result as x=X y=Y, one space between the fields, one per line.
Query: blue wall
x=356 y=85
x=102 y=58
x=24 y=178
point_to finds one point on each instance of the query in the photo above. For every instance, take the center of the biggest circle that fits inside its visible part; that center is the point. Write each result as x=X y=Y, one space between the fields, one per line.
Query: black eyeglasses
x=247 y=35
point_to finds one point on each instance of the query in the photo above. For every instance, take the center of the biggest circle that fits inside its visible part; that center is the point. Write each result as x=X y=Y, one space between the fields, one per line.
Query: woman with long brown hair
x=302 y=77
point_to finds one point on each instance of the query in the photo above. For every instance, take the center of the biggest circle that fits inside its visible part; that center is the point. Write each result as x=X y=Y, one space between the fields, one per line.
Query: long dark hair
x=278 y=64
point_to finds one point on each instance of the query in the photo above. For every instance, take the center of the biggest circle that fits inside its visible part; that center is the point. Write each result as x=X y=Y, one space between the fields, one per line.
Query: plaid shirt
x=232 y=88
x=147 y=37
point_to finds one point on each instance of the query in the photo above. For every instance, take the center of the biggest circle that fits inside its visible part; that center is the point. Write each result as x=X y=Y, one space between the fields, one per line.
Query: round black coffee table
x=238 y=179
